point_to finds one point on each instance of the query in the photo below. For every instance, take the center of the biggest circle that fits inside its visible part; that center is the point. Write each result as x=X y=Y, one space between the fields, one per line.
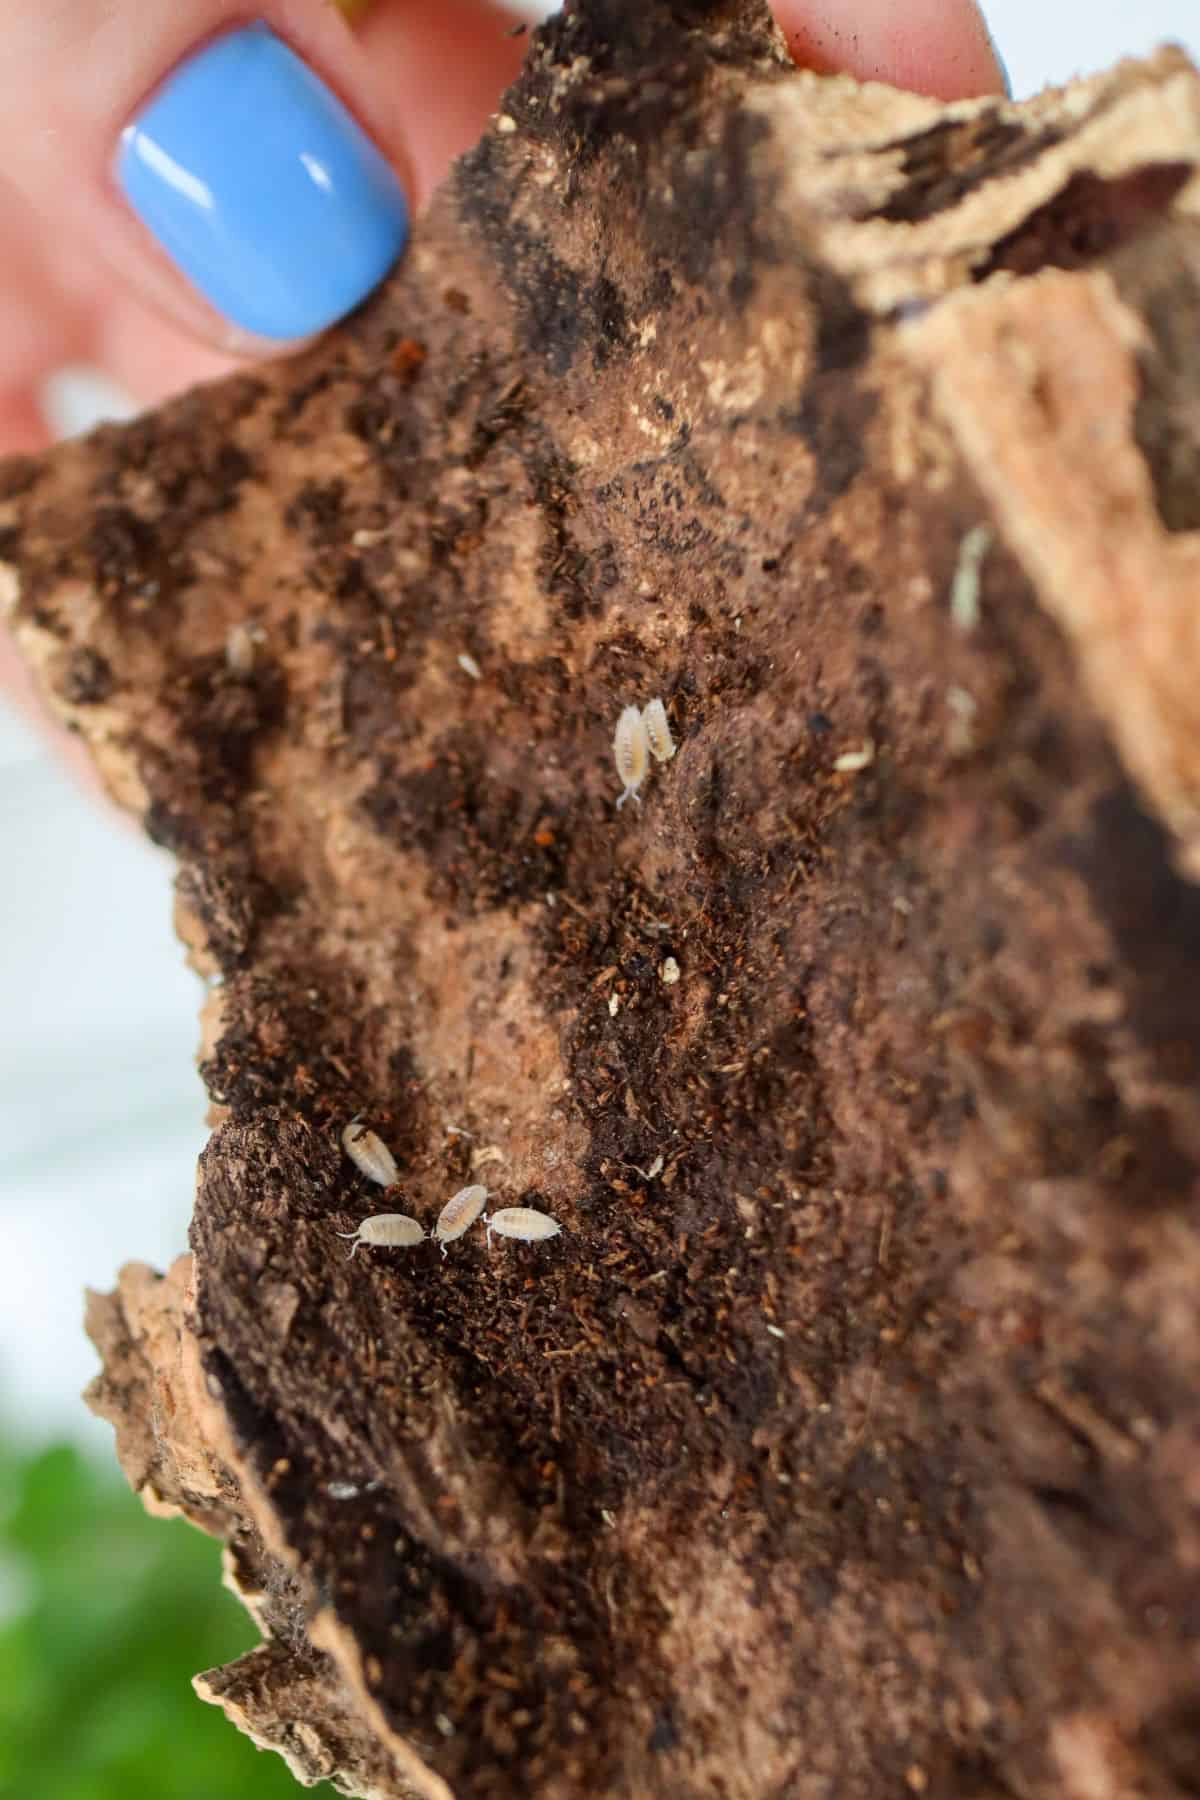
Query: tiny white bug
x=241 y=649
x=386 y=1231
x=631 y=753
x=369 y=1154
x=968 y=578
x=658 y=730
x=459 y=1214
x=960 y=738
x=851 y=761
x=523 y=1222
x=469 y=666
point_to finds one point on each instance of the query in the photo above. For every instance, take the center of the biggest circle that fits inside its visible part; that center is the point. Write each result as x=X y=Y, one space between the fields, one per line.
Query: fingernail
x=260 y=185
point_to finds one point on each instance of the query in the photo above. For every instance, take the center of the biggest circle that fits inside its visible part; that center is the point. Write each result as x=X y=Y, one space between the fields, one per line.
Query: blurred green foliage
x=105 y=1615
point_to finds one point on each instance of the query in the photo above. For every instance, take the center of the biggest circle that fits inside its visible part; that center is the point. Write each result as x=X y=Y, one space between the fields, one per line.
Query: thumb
x=937 y=47
x=255 y=180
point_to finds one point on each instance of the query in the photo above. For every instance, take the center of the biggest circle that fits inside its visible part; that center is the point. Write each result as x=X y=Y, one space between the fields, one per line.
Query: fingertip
x=463 y=52
x=941 y=48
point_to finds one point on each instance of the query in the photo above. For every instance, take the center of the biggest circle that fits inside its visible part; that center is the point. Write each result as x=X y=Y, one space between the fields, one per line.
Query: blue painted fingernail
x=262 y=188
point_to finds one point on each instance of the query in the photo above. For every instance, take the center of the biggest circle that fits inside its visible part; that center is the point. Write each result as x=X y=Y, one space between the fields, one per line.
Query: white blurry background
x=100 y=1107
x=1045 y=41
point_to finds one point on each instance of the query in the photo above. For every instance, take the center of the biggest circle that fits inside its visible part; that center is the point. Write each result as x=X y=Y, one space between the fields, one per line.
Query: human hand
x=84 y=280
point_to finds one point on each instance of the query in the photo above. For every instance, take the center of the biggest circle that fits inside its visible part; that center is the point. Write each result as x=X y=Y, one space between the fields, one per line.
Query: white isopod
x=658 y=730
x=241 y=648
x=386 y=1231
x=459 y=1214
x=631 y=752
x=851 y=761
x=523 y=1222
x=369 y=1154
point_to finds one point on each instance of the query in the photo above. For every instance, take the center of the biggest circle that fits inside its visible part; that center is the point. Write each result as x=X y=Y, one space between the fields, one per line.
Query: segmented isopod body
x=631 y=752
x=523 y=1222
x=459 y=1214
x=386 y=1231
x=369 y=1154
x=658 y=730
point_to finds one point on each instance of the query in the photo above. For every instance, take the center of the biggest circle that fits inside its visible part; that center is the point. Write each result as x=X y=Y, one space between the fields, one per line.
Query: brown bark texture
x=846 y=1441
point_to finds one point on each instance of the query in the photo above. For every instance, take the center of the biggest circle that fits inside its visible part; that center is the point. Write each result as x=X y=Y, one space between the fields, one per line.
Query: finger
x=43 y=318
x=23 y=431
x=442 y=63
x=149 y=356
x=936 y=47
x=255 y=181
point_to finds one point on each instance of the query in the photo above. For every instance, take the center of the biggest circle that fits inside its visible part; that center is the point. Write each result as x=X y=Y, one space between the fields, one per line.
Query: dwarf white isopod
x=523 y=1222
x=851 y=761
x=386 y=1231
x=369 y=1154
x=241 y=648
x=658 y=730
x=459 y=1214
x=631 y=753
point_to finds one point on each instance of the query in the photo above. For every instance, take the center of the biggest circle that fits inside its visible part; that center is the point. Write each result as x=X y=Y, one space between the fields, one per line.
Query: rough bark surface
x=847 y=1440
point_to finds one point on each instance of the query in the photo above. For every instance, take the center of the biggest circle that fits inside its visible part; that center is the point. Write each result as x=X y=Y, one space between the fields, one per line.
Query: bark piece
x=287 y=1702
x=142 y=1391
x=856 y=1446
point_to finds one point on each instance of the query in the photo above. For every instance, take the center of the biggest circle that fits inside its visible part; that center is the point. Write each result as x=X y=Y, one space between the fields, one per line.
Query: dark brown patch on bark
x=1089 y=219
x=87 y=678
x=954 y=158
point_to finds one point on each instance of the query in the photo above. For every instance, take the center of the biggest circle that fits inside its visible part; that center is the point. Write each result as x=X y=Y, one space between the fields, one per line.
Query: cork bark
x=846 y=1442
